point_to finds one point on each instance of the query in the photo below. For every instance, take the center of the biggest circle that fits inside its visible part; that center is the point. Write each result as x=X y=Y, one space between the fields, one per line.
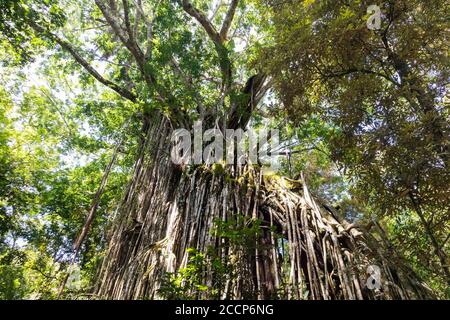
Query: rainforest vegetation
x=92 y=207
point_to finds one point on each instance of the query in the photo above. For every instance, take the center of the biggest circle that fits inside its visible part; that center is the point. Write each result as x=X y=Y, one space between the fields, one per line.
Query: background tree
x=386 y=93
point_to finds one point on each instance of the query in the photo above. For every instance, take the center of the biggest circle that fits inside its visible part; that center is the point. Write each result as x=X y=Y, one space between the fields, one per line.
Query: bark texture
x=168 y=209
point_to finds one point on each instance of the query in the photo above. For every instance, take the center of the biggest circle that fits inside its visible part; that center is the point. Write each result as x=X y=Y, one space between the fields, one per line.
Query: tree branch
x=438 y=249
x=222 y=51
x=69 y=48
x=242 y=110
x=228 y=20
x=131 y=45
x=149 y=24
x=162 y=94
x=216 y=9
x=126 y=40
x=96 y=201
x=356 y=70
x=126 y=14
x=203 y=20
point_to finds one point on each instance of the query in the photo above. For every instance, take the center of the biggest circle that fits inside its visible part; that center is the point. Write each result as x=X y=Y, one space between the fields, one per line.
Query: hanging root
x=334 y=259
x=300 y=249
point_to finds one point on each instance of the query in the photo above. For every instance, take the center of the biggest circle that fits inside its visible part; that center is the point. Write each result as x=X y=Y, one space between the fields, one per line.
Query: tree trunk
x=302 y=250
